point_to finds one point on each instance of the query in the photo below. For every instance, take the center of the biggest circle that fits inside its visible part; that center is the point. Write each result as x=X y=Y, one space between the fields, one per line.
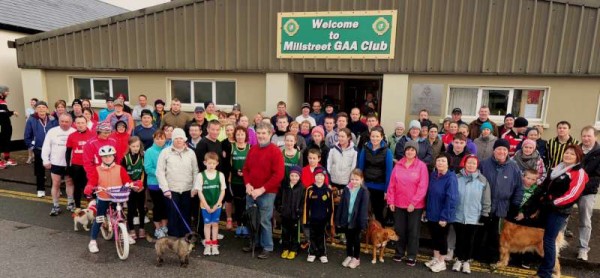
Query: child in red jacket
x=122 y=137
x=308 y=178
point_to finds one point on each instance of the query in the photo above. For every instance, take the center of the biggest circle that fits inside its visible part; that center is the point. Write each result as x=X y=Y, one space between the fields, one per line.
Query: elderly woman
x=529 y=158
x=406 y=199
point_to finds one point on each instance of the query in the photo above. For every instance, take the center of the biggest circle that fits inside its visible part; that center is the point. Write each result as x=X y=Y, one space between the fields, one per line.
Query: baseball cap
x=110 y=99
x=199 y=109
x=305 y=105
x=456 y=111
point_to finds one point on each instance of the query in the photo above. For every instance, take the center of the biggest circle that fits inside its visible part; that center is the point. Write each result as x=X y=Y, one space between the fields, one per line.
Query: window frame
x=93 y=101
x=511 y=89
x=597 y=121
x=188 y=107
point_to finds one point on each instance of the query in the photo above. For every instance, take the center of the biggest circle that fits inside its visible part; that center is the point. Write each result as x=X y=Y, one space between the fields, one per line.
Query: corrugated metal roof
x=45 y=15
x=502 y=37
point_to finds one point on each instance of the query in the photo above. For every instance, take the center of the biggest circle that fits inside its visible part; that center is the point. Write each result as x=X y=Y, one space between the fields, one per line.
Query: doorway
x=345 y=93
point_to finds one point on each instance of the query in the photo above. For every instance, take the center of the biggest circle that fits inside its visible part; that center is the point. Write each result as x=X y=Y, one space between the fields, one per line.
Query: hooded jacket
x=150 y=161
x=442 y=196
x=341 y=162
x=376 y=165
x=485 y=146
x=591 y=165
x=292 y=200
x=36 y=129
x=408 y=185
x=474 y=198
x=358 y=218
x=506 y=184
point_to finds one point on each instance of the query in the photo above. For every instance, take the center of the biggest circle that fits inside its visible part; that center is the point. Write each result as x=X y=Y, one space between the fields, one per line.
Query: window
x=529 y=103
x=222 y=93
x=100 y=88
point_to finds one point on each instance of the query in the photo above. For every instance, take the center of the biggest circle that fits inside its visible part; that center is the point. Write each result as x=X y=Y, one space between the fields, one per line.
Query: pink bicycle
x=115 y=219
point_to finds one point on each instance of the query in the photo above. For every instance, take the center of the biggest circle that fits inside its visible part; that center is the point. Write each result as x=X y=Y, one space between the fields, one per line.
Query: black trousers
x=159 y=209
x=408 y=227
x=317 y=239
x=6 y=131
x=465 y=241
x=488 y=241
x=353 y=243
x=290 y=234
x=38 y=170
x=136 y=207
x=239 y=202
x=377 y=204
x=195 y=214
x=179 y=219
x=439 y=237
x=79 y=177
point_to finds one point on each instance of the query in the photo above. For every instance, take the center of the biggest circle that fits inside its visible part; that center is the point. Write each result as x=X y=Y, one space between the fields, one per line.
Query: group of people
x=320 y=169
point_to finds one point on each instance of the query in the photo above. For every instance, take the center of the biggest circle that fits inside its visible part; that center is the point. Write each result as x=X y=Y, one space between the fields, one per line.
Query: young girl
x=317 y=142
x=133 y=162
x=291 y=155
x=122 y=137
x=168 y=131
x=159 y=211
x=305 y=131
x=352 y=216
x=295 y=129
x=290 y=210
x=342 y=159
x=239 y=152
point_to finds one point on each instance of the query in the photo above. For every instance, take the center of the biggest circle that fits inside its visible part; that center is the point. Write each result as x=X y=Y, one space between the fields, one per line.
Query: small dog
x=378 y=237
x=521 y=239
x=182 y=247
x=84 y=216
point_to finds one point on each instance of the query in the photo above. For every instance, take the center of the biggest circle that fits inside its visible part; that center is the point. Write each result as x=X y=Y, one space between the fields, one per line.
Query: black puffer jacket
x=591 y=165
x=291 y=201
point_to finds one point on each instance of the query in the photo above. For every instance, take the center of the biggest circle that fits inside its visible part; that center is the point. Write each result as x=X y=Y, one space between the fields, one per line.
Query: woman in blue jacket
x=442 y=195
x=159 y=211
x=474 y=203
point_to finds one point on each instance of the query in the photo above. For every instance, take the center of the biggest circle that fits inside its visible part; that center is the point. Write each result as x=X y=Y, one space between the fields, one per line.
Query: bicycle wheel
x=106 y=229
x=122 y=241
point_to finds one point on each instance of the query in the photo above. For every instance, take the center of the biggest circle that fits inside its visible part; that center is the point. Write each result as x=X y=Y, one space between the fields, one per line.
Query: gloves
x=139 y=185
x=89 y=189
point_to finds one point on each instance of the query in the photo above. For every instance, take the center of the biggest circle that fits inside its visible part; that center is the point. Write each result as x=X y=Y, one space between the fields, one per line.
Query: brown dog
x=182 y=247
x=378 y=237
x=521 y=239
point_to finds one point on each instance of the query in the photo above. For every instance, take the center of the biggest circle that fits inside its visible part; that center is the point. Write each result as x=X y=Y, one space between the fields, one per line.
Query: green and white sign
x=355 y=34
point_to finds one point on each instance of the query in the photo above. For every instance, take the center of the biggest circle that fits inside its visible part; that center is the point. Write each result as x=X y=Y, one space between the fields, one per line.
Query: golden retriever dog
x=521 y=239
x=378 y=237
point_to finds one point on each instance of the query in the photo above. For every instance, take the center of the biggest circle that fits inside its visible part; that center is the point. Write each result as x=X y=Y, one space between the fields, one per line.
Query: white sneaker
x=438 y=266
x=215 y=250
x=354 y=263
x=131 y=240
x=466 y=267
x=207 y=250
x=457 y=265
x=311 y=258
x=582 y=255
x=41 y=194
x=346 y=261
x=430 y=263
x=324 y=259
x=93 y=247
x=136 y=220
x=220 y=236
x=450 y=255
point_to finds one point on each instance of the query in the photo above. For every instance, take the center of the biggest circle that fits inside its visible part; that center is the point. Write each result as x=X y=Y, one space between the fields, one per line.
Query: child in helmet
x=108 y=174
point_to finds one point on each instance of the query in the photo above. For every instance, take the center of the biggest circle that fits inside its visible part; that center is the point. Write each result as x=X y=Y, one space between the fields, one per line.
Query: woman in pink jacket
x=406 y=198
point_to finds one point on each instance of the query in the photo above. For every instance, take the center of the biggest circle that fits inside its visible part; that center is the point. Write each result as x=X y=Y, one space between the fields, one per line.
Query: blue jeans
x=265 y=204
x=554 y=224
x=101 y=208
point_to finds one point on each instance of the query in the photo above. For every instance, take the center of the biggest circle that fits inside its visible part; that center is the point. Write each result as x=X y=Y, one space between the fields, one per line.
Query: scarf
x=560 y=169
x=527 y=161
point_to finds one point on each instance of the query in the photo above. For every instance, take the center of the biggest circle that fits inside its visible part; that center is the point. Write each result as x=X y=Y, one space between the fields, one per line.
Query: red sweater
x=90 y=153
x=122 y=144
x=76 y=141
x=264 y=168
x=308 y=178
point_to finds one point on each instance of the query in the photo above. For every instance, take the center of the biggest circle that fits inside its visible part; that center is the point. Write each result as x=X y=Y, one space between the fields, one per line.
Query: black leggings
x=5 y=136
x=77 y=173
x=159 y=209
x=465 y=239
x=39 y=170
x=239 y=202
x=353 y=243
x=377 y=204
x=135 y=207
x=439 y=237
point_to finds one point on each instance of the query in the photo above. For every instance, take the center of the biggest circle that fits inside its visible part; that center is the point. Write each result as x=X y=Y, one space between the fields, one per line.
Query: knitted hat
x=529 y=142
x=178 y=133
x=76 y=101
x=463 y=161
x=159 y=101
x=146 y=112
x=318 y=129
x=486 y=125
x=296 y=169
x=457 y=111
x=305 y=105
x=501 y=143
x=41 y=102
x=319 y=170
x=104 y=127
x=521 y=122
x=509 y=115
x=414 y=124
x=411 y=144
x=400 y=125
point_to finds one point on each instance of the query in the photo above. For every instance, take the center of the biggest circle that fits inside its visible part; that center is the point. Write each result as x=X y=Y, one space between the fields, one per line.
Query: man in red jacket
x=263 y=173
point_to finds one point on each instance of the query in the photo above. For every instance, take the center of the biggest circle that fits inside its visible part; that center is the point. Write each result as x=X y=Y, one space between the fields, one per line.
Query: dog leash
x=181 y=216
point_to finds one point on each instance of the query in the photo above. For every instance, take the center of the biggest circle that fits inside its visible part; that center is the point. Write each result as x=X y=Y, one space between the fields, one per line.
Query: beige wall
x=10 y=75
x=250 y=92
x=569 y=98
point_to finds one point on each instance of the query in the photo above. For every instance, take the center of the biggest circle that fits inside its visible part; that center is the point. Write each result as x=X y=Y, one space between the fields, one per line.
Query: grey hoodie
x=485 y=146
x=341 y=162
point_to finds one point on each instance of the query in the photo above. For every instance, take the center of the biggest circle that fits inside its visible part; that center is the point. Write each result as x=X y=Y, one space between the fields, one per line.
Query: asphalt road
x=33 y=244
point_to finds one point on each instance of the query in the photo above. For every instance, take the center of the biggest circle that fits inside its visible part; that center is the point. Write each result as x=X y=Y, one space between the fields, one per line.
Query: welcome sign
x=352 y=34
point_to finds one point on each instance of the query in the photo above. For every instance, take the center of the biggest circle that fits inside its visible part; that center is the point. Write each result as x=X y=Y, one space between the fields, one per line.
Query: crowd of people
x=323 y=168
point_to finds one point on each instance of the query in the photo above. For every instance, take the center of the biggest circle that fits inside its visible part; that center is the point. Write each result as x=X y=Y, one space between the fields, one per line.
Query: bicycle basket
x=118 y=194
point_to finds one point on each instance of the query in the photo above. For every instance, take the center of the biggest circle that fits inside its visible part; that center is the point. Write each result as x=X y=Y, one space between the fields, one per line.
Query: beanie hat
x=159 y=101
x=296 y=169
x=104 y=127
x=41 y=102
x=411 y=144
x=414 y=124
x=146 y=112
x=501 y=143
x=77 y=101
x=463 y=162
x=509 y=115
x=179 y=133
x=318 y=129
x=400 y=125
x=529 y=142
x=319 y=170
x=486 y=125
x=121 y=122
x=521 y=122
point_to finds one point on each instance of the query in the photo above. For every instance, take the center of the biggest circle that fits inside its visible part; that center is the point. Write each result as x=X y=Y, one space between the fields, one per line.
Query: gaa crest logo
x=291 y=27
x=380 y=26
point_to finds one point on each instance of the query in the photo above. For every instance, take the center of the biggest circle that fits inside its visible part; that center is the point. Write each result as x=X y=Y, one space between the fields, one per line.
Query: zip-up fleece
x=408 y=185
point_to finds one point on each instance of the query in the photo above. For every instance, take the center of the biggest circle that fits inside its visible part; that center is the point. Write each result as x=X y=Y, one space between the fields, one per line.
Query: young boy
x=210 y=186
x=308 y=174
x=530 y=177
x=318 y=213
x=457 y=152
x=291 y=210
